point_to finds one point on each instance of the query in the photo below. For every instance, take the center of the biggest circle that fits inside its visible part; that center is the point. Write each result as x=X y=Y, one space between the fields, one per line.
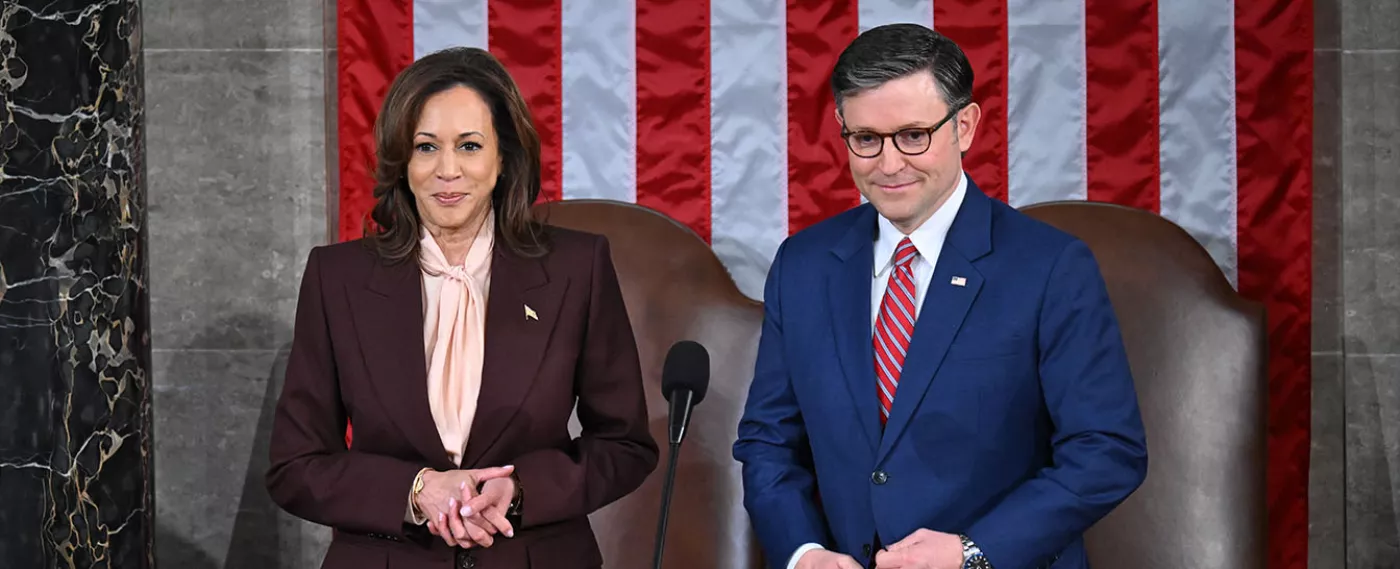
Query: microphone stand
x=666 y=503
x=681 y=403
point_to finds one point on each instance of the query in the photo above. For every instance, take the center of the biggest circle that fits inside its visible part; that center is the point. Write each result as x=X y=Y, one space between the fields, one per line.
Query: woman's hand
x=487 y=510
x=439 y=502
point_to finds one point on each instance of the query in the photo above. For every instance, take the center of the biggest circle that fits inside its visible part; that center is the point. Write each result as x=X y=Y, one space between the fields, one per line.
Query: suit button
x=465 y=560
x=865 y=550
x=879 y=477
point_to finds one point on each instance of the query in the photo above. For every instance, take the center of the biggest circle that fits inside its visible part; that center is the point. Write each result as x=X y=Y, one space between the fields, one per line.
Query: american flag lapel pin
x=959 y=281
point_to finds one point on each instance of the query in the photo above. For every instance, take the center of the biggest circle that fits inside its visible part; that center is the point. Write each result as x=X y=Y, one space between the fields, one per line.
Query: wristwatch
x=417 y=487
x=972 y=555
x=517 y=503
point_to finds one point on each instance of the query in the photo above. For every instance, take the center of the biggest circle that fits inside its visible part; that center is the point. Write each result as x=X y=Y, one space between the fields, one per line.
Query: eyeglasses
x=910 y=141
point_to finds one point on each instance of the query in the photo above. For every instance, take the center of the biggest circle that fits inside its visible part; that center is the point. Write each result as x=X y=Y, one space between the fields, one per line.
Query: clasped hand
x=459 y=514
x=923 y=549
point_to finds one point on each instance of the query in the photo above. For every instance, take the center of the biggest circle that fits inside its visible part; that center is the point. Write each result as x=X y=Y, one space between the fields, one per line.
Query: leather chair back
x=1197 y=351
x=1198 y=355
x=676 y=289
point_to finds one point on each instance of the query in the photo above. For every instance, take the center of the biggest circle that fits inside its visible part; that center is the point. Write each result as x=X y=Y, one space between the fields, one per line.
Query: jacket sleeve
x=779 y=486
x=1099 y=449
x=615 y=451
x=312 y=474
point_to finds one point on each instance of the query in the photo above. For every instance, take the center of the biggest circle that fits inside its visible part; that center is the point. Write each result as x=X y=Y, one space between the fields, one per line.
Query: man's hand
x=823 y=559
x=923 y=549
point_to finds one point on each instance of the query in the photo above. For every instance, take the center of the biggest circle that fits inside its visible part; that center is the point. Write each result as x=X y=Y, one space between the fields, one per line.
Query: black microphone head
x=687 y=367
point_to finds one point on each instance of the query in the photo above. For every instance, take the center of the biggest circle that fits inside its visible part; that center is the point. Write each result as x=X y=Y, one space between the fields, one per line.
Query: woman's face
x=455 y=160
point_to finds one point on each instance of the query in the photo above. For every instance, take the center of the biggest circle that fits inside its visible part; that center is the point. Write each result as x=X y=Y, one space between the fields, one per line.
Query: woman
x=457 y=336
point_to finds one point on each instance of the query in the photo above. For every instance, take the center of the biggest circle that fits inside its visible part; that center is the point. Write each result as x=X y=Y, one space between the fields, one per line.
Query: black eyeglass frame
x=927 y=130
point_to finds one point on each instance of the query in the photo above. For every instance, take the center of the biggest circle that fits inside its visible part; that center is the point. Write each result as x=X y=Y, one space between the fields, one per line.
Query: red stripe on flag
x=374 y=43
x=979 y=27
x=1274 y=86
x=820 y=183
x=673 y=110
x=525 y=36
x=1123 y=119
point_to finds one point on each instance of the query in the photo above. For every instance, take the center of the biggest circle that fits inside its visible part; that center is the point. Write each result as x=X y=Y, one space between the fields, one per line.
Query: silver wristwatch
x=972 y=555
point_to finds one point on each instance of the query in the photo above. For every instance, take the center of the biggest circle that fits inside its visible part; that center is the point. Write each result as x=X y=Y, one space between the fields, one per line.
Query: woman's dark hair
x=396 y=229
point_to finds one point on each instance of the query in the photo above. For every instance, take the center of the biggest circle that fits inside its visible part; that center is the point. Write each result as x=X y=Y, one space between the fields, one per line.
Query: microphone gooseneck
x=685 y=378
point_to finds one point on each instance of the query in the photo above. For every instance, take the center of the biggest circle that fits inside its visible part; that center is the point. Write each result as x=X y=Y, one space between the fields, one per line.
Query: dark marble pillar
x=75 y=468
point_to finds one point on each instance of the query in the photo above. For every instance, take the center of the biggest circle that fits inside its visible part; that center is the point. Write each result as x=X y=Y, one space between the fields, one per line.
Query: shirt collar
x=928 y=238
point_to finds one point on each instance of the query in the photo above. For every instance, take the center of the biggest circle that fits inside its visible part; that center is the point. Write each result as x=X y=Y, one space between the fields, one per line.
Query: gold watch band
x=417 y=487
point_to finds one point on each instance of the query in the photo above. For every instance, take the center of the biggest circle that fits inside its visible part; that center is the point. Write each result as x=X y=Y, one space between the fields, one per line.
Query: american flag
x=718 y=114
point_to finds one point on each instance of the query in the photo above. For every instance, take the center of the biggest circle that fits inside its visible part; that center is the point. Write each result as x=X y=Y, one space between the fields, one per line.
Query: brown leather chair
x=676 y=289
x=1198 y=355
x=1196 y=349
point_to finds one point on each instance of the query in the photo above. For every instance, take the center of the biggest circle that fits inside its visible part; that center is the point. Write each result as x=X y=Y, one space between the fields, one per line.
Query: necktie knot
x=904 y=253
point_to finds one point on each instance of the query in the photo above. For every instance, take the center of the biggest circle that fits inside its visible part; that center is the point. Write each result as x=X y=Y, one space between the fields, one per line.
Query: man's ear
x=967 y=120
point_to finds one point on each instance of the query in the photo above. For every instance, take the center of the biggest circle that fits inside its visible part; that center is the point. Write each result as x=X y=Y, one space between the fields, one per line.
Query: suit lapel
x=389 y=322
x=521 y=310
x=848 y=289
x=945 y=306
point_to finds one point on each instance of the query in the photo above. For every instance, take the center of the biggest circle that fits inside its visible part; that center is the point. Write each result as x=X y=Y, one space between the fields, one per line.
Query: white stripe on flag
x=880 y=12
x=599 y=99
x=1196 y=40
x=439 y=24
x=748 y=132
x=1046 y=93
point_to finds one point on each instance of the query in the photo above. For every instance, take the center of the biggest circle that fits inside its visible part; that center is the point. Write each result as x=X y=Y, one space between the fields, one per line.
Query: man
x=940 y=380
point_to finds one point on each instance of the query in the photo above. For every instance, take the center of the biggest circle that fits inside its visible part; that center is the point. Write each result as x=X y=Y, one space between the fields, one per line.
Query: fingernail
x=451 y=502
x=463 y=485
x=510 y=533
x=466 y=511
x=441 y=516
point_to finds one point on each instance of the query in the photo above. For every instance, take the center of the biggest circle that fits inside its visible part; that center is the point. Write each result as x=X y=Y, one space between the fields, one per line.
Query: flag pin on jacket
x=530 y=313
x=959 y=281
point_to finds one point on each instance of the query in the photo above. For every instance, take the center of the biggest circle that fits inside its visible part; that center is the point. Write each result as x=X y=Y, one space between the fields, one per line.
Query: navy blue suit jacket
x=1015 y=421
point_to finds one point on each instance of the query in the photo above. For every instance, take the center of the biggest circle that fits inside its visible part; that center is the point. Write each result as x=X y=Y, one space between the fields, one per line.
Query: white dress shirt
x=928 y=238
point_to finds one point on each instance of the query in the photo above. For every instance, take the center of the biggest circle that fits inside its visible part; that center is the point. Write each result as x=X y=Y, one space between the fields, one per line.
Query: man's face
x=904 y=188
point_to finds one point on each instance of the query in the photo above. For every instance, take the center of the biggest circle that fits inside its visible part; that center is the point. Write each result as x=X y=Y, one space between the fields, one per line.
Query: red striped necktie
x=895 y=326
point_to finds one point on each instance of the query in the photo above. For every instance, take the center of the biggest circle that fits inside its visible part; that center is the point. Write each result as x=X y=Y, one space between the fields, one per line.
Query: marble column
x=75 y=467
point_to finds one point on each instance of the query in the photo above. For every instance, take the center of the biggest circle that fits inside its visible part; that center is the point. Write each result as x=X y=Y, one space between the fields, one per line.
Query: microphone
x=685 y=377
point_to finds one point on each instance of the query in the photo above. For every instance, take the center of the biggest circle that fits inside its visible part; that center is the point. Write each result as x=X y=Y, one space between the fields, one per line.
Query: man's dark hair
x=893 y=51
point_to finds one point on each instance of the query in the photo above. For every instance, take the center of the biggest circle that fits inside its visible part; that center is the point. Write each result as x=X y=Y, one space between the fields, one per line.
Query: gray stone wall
x=1354 y=500
x=237 y=139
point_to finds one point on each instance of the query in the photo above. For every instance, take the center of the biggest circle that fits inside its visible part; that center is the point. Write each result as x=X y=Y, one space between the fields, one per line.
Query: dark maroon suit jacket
x=358 y=354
